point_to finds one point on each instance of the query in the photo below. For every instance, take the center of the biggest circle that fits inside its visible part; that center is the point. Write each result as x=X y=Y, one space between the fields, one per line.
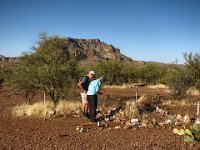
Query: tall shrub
x=113 y=70
x=49 y=68
x=193 y=66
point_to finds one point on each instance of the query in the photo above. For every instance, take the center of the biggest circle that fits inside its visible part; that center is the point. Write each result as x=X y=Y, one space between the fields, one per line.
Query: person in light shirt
x=92 y=96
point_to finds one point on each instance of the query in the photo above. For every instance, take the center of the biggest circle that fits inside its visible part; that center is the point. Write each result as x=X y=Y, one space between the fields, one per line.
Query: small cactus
x=179 y=132
x=190 y=135
x=187 y=131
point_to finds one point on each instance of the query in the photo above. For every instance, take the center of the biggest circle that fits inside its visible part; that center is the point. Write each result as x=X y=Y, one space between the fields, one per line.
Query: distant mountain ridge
x=93 y=49
x=87 y=50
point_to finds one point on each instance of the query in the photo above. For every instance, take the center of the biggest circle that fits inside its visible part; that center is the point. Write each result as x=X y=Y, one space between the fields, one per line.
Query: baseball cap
x=92 y=72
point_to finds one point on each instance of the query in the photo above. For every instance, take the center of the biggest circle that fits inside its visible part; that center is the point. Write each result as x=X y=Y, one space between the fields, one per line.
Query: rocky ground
x=65 y=133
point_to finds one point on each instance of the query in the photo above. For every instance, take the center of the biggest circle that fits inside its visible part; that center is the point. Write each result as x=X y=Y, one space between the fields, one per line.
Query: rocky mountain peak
x=85 y=49
x=93 y=49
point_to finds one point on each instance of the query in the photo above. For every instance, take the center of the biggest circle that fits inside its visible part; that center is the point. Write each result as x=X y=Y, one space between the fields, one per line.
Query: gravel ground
x=60 y=132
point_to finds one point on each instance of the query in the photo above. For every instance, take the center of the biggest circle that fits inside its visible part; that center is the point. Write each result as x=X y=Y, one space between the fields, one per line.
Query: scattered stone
x=78 y=128
x=168 y=121
x=127 y=127
x=106 y=119
x=157 y=108
x=128 y=123
x=51 y=112
x=123 y=121
x=82 y=129
x=162 y=112
x=179 y=117
x=102 y=123
x=122 y=113
x=99 y=115
x=78 y=112
x=117 y=120
x=186 y=119
x=134 y=121
x=177 y=123
x=64 y=134
x=76 y=116
x=198 y=121
x=117 y=127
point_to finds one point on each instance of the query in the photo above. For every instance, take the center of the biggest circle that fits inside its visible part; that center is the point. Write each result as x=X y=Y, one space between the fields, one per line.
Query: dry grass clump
x=67 y=107
x=193 y=91
x=38 y=109
x=131 y=109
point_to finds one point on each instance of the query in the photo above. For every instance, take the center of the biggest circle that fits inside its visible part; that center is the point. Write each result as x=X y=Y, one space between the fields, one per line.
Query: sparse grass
x=124 y=86
x=39 y=110
x=182 y=102
x=131 y=109
x=67 y=107
x=157 y=86
x=193 y=91
x=160 y=87
x=106 y=105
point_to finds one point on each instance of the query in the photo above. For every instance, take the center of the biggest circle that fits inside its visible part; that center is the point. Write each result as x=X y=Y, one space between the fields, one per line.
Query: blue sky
x=148 y=30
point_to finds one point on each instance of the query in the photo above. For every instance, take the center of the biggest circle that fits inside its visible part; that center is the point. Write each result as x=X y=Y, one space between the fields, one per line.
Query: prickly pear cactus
x=190 y=135
x=179 y=132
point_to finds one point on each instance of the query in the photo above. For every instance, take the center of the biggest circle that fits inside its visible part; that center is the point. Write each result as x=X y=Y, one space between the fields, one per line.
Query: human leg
x=92 y=103
x=84 y=106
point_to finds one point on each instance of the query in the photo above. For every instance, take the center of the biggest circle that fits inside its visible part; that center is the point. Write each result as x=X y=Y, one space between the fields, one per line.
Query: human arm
x=98 y=87
x=81 y=84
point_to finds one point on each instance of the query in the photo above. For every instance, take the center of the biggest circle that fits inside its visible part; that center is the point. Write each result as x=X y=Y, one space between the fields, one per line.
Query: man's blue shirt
x=94 y=87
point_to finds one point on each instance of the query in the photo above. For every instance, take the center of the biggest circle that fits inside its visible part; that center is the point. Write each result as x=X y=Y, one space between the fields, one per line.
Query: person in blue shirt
x=93 y=91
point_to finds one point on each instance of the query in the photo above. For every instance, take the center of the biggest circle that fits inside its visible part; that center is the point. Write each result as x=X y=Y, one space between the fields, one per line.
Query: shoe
x=85 y=116
x=94 y=120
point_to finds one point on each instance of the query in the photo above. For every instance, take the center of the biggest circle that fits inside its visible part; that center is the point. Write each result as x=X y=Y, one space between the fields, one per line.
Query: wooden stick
x=44 y=102
x=197 y=108
x=136 y=96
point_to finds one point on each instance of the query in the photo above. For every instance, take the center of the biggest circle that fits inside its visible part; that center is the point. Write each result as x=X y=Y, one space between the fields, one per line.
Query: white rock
x=157 y=108
x=198 y=121
x=82 y=129
x=135 y=120
x=168 y=121
x=179 y=117
x=78 y=127
x=186 y=119
x=117 y=127
x=106 y=119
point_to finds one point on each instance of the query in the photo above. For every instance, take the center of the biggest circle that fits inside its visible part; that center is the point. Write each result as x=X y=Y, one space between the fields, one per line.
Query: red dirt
x=60 y=132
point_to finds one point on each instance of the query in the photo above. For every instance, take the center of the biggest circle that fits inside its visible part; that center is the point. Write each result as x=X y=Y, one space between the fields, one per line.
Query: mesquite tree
x=49 y=68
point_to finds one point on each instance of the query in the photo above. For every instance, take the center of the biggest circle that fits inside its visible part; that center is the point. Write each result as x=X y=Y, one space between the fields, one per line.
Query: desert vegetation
x=51 y=68
x=51 y=72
